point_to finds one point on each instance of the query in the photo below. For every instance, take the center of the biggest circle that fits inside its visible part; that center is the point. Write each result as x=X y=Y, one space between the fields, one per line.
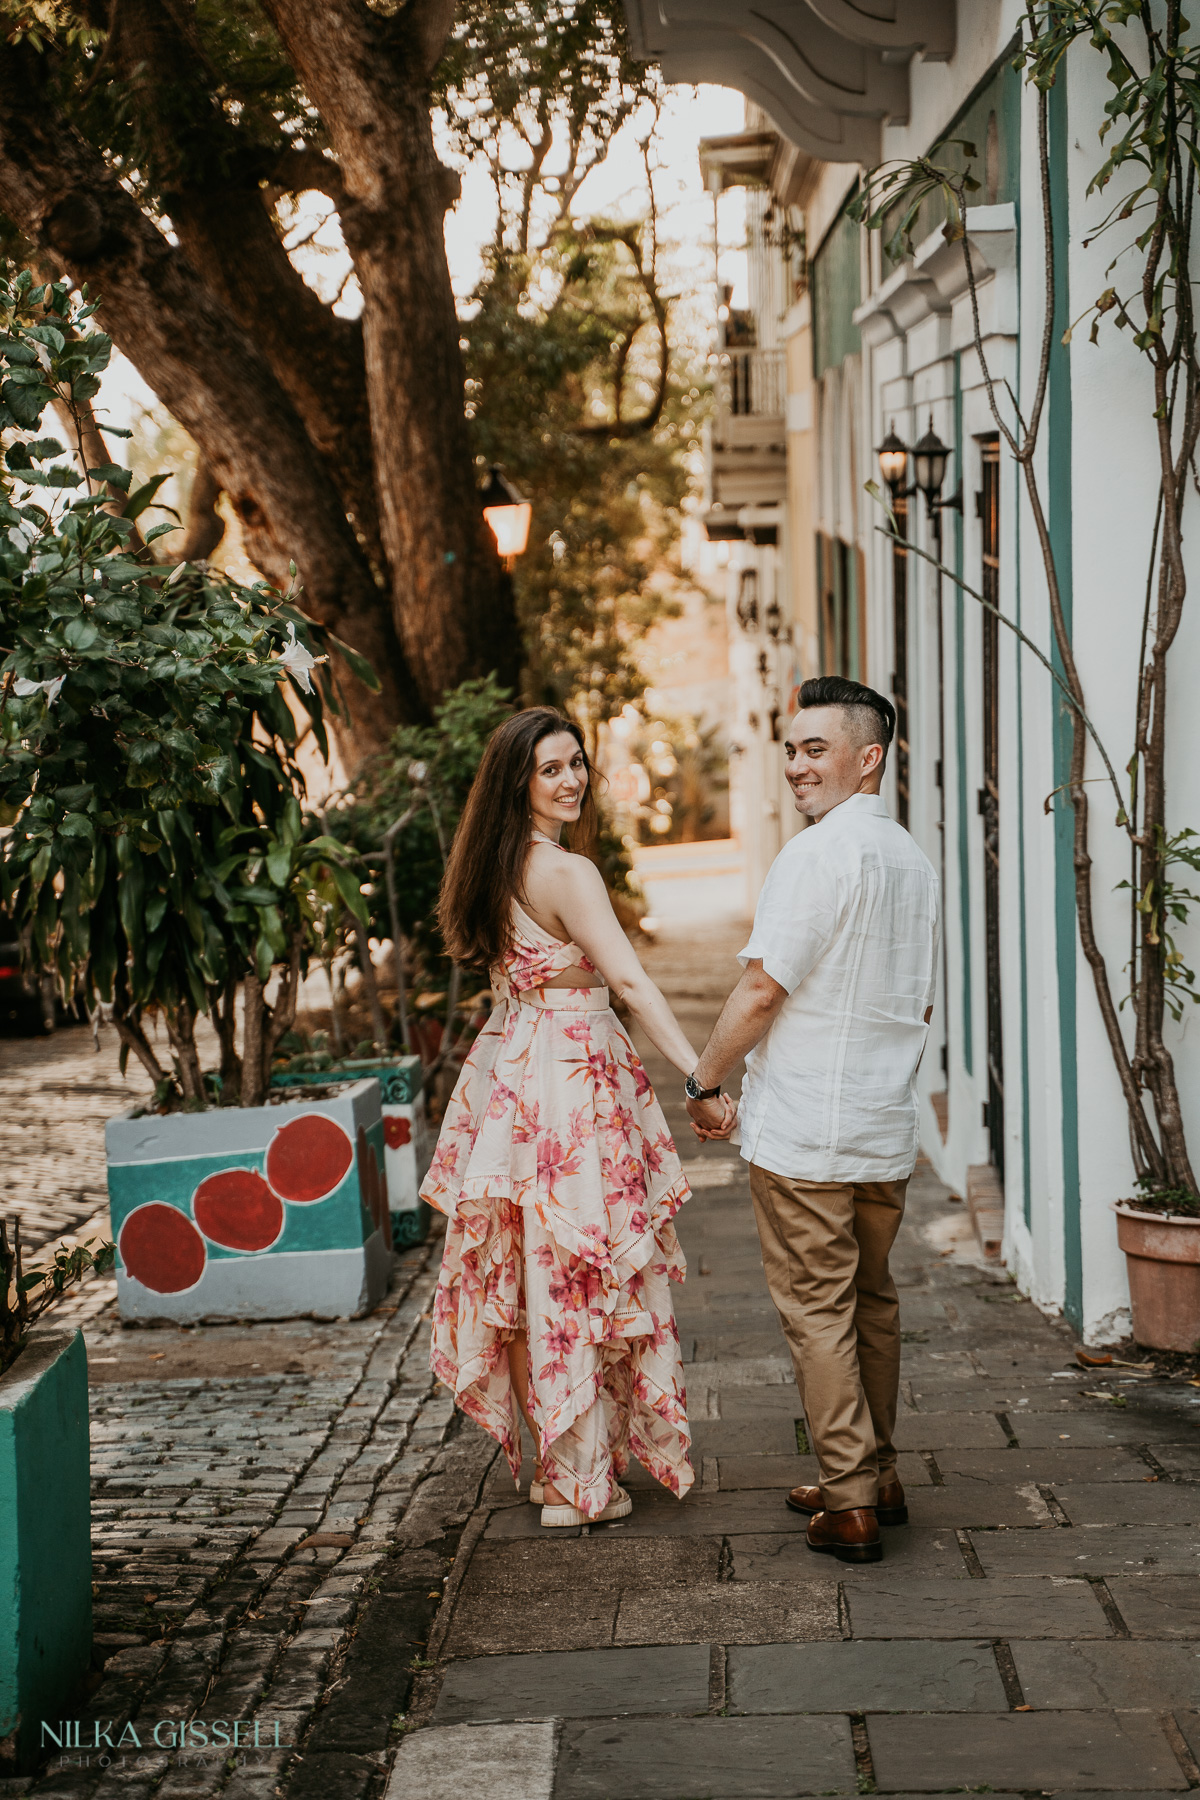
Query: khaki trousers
x=825 y=1248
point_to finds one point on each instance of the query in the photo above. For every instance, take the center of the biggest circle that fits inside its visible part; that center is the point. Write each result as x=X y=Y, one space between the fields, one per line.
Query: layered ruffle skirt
x=560 y=1180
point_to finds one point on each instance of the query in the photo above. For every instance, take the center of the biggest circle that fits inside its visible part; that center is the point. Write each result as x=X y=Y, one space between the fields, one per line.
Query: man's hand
x=712 y=1118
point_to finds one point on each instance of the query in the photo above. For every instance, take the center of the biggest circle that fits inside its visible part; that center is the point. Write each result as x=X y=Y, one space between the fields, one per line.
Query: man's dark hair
x=871 y=718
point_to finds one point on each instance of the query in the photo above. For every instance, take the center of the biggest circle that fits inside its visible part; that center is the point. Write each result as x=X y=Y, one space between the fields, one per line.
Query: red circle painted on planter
x=161 y=1248
x=308 y=1157
x=236 y=1209
x=396 y=1131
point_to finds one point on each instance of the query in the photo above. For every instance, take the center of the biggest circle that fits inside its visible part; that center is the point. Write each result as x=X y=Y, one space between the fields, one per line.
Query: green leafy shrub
x=158 y=854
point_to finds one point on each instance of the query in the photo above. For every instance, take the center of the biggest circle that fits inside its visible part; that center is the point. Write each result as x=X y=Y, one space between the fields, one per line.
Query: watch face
x=691 y=1088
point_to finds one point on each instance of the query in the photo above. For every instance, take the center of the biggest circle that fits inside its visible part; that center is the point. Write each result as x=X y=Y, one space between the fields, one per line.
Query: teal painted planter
x=406 y=1134
x=45 y=1540
x=265 y=1212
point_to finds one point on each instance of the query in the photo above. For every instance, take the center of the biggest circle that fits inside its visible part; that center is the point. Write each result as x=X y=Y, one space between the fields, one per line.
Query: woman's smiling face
x=559 y=782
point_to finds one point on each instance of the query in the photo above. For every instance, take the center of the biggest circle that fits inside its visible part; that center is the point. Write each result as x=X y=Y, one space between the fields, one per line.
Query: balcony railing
x=751 y=384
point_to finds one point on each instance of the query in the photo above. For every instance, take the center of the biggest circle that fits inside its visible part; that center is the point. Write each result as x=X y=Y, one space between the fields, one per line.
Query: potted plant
x=1160 y=1235
x=45 y=1509
x=406 y=1140
x=159 y=856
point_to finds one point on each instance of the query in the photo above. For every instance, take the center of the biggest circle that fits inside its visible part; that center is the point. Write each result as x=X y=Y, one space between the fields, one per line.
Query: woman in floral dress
x=554 y=1163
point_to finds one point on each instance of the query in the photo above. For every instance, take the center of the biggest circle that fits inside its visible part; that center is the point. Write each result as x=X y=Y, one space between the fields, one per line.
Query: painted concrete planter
x=45 y=1539
x=407 y=1138
x=264 y=1212
x=1162 y=1258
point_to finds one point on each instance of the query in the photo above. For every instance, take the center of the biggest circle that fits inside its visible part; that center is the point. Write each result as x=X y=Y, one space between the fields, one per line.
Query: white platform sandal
x=619 y=1507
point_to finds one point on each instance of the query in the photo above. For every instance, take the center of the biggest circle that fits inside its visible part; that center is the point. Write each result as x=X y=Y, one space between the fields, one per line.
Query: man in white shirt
x=831 y=1015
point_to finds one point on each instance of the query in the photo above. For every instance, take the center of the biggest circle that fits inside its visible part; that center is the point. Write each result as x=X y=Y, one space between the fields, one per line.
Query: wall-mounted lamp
x=508 y=514
x=930 y=457
x=893 y=462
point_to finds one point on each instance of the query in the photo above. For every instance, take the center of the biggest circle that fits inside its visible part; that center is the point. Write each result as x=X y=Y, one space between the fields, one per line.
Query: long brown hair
x=486 y=869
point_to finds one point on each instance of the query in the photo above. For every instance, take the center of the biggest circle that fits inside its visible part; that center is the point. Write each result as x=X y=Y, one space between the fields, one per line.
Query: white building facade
x=1020 y=1100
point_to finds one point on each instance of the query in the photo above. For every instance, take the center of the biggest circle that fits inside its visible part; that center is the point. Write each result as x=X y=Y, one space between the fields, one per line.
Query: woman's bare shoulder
x=557 y=875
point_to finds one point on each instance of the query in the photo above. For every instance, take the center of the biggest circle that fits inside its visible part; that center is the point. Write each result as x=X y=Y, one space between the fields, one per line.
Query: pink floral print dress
x=561 y=1180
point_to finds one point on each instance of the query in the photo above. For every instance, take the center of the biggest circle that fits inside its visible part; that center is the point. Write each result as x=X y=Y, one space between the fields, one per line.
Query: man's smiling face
x=825 y=763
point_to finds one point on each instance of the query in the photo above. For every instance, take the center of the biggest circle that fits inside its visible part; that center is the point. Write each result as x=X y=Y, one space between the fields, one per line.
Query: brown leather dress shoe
x=851 y=1536
x=890 y=1508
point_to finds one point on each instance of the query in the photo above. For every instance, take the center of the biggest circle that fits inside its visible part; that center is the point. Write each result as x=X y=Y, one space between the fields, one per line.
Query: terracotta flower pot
x=1162 y=1257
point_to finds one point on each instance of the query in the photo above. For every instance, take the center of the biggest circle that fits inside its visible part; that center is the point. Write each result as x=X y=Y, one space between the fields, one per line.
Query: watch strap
x=698 y=1093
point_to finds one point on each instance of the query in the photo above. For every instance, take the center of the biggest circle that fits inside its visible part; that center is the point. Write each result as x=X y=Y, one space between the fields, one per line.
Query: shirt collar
x=872 y=805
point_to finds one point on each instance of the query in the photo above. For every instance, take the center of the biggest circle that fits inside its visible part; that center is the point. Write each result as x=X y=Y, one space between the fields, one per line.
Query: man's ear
x=872 y=757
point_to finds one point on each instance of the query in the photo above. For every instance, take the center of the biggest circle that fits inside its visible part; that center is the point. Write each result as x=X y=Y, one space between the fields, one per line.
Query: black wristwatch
x=694 y=1091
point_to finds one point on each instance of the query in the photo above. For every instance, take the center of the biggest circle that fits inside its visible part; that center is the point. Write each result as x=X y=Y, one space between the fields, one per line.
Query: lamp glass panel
x=510 y=527
x=931 y=469
x=893 y=466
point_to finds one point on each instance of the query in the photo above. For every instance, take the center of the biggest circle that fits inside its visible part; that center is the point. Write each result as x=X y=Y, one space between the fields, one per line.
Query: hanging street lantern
x=508 y=514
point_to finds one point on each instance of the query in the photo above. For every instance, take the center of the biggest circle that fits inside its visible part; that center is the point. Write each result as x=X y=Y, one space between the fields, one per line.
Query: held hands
x=712 y=1118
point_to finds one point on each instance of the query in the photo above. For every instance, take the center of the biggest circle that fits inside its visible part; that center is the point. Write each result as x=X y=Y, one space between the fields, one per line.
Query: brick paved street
x=57 y=1093
x=1034 y=1629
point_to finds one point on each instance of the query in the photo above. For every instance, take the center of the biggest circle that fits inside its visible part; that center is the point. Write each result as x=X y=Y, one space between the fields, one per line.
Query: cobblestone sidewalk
x=254 y=1487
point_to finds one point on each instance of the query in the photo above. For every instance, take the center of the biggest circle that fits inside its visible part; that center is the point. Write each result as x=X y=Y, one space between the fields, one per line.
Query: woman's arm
x=580 y=899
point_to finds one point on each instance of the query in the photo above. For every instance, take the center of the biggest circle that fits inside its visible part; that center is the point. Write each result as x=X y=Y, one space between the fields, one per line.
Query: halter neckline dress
x=560 y=1179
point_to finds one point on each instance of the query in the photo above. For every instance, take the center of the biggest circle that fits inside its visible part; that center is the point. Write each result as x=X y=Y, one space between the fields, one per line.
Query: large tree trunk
x=341 y=444
x=368 y=76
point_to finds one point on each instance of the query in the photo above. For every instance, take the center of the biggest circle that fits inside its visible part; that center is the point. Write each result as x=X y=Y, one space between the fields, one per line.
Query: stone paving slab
x=580 y=1684
x=1182 y=1459
x=949 y=1431
x=704 y=1515
x=705 y=1759
x=1128 y=1676
x=583 y=1619
x=503 y=1762
x=722 y=1346
x=1119 y=1503
x=966 y=1505
x=784 y=1472
x=1052 y=1466
x=729 y=1438
x=1108 y=1425
x=1090 y=1550
x=1065 y=1751
x=911 y=1550
x=917 y=1607
x=916 y=1676
x=730 y=1613
x=545 y=1567
x=1165 y=1607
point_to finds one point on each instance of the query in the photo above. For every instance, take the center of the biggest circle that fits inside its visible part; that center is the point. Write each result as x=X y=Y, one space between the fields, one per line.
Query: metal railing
x=751 y=384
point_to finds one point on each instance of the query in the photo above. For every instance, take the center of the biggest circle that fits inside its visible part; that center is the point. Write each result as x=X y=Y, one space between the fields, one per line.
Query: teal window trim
x=1060 y=525
x=960 y=739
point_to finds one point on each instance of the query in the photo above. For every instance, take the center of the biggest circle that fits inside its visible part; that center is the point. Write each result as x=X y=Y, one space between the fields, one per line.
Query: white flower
x=24 y=689
x=297 y=660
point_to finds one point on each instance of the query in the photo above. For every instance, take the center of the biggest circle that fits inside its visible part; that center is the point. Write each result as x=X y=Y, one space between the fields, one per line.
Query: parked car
x=27 y=1001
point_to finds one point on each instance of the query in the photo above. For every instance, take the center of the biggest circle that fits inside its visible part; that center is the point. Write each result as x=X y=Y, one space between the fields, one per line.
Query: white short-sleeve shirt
x=848 y=923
